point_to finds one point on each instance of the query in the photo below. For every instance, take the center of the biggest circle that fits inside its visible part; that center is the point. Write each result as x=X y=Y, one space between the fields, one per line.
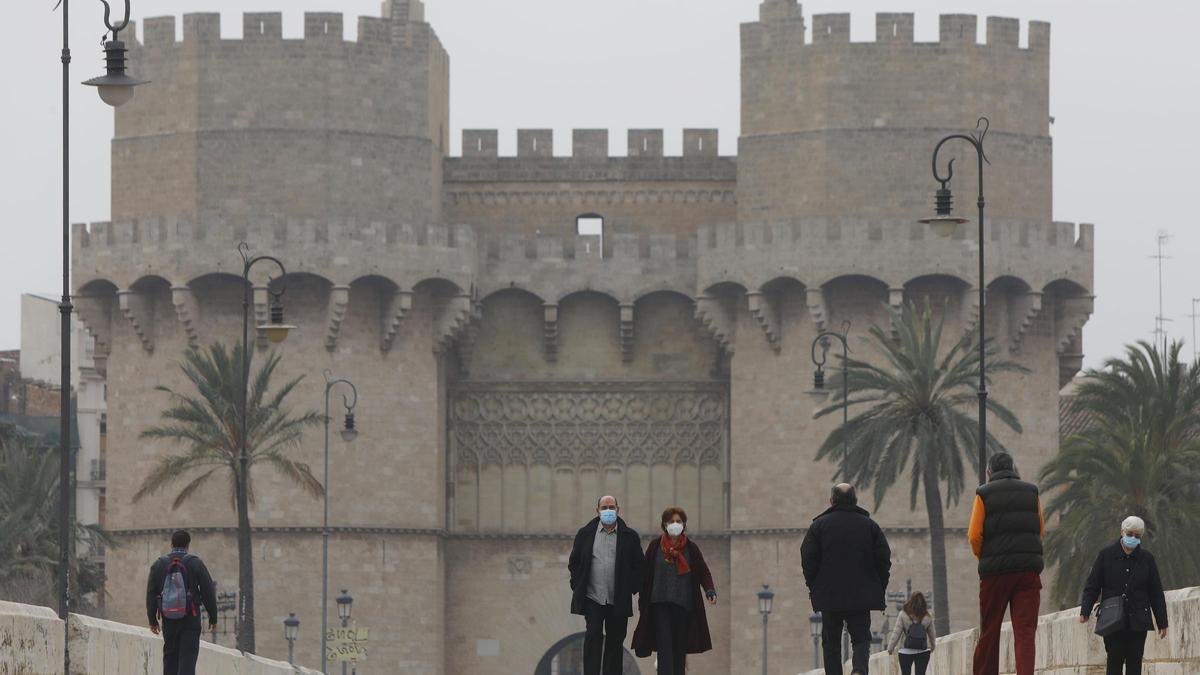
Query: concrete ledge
x=31 y=640
x=1067 y=647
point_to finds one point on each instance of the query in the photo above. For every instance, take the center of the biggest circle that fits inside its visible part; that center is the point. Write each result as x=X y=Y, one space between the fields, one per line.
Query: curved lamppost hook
x=108 y=20
x=248 y=262
x=975 y=139
x=348 y=402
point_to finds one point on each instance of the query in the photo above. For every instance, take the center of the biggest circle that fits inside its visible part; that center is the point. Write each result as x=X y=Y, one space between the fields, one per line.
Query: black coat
x=1108 y=578
x=846 y=560
x=202 y=589
x=699 y=639
x=1012 y=526
x=628 y=566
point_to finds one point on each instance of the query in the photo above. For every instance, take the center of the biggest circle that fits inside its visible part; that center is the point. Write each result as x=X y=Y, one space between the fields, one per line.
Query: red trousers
x=1020 y=592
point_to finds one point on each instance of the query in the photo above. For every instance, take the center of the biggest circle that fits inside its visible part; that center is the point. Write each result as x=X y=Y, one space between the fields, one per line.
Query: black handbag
x=1110 y=615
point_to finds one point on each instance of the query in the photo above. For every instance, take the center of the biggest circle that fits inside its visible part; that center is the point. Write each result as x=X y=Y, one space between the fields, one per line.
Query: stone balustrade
x=1066 y=647
x=32 y=640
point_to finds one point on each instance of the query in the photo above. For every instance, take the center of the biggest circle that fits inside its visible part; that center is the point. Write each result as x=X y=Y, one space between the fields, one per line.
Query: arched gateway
x=566 y=658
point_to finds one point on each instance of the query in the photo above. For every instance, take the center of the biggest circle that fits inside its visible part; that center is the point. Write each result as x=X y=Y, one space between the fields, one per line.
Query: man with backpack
x=179 y=583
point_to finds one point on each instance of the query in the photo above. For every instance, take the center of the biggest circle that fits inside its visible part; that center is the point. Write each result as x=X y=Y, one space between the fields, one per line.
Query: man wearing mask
x=606 y=570
x=847 y=563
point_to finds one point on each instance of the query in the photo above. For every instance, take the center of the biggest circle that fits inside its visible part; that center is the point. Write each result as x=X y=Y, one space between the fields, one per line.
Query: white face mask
x=675 y=529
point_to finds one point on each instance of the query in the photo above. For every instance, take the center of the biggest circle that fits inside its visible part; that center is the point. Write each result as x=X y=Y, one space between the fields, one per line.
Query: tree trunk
x=937 y=550
x=245 y=622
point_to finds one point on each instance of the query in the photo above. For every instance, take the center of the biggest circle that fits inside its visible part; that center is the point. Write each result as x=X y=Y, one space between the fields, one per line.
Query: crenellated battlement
x=588 y=144
x=897 y=28
x=264 y=28
x=817 y=250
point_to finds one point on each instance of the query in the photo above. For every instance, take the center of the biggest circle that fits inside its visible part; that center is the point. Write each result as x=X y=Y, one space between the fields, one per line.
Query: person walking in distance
x=914 y=635
x=847 y=563
x=606 y=570
x=671 y=618
x=1126 y=571
x=178 y=585
x=1005 y=533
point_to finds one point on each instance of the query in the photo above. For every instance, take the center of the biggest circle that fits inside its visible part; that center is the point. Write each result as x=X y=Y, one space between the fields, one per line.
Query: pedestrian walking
x=671 y=619
x=606 y=570
x=1125 y=581
x=178 y=585
x=914 y=636
x=1005 y=533
x=847 y=564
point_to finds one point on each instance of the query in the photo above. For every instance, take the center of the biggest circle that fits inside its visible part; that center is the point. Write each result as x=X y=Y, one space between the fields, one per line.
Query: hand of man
x=154 y=629
x=1083 y=619
x=212 y=627
x=1162 y=633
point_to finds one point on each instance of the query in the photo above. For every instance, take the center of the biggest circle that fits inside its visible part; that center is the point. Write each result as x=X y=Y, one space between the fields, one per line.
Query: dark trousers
x=907 y=661
x=858 y=624
x=1021 y=594
x=670 y=637
x=181 y=645
x=605 y=636
x=1125 y=650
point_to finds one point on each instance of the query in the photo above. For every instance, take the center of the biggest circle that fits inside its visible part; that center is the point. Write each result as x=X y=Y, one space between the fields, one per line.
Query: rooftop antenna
x=1160 y=329
x=1193 y=315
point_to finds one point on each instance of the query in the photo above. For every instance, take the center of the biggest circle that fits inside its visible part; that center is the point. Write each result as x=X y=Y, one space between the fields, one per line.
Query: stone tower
x=511 y=368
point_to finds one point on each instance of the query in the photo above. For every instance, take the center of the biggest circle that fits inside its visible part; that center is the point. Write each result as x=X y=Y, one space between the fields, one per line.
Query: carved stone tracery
x=588 y=424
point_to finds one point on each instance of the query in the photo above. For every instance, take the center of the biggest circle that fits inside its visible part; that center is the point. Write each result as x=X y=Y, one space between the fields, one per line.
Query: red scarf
x=673 y=552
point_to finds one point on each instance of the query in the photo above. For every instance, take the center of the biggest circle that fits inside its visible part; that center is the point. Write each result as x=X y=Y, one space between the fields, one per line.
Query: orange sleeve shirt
x=978 y=515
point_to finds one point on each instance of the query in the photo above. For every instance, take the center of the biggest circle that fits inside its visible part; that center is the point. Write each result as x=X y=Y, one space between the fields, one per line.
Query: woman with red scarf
x=671 y=617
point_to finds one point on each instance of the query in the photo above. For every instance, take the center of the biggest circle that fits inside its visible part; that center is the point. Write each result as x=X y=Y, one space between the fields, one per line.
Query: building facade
x=527 y=333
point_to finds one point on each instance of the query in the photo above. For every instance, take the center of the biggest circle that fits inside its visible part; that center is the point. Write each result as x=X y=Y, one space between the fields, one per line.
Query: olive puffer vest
x=1012 y=533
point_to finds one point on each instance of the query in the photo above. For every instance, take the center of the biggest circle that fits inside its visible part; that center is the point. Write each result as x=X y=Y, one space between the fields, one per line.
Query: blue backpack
x=175 y=598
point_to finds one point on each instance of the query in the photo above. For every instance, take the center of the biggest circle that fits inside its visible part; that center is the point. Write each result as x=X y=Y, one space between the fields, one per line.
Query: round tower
x=316 y=127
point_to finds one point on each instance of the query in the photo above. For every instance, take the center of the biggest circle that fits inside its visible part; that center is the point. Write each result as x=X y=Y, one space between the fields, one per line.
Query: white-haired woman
x=1125 y=568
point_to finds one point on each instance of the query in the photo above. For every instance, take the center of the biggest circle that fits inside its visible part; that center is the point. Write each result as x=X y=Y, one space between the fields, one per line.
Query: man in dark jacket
x=181 y=637
x=847 y=563
x=606 y=570
x=1006 y=535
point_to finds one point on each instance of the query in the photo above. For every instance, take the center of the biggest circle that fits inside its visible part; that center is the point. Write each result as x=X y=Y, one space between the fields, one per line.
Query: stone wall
x=1066 y=647
x=32 y=640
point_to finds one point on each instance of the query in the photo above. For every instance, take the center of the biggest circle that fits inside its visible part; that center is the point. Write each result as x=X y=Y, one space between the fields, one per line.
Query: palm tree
x=917 y=420
x=1138 y=455
x=29 y=526
x=207 y=423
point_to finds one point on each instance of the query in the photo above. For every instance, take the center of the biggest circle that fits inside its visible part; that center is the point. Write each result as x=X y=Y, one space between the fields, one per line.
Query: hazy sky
x=1125 y=92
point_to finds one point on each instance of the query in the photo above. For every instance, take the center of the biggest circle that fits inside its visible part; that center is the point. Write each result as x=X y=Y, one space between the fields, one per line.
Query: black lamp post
x=945 y=223
x=349 y=433
x=345 y=604
x=819 y=380
x=766 y=598
x=115 y=88
x=814 y=628
x=276 y=331
x=291 y=628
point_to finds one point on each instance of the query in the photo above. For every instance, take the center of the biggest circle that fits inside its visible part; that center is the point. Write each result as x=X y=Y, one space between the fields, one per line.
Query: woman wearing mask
x=671 y=617
x=914 y=635
x=1126 y=569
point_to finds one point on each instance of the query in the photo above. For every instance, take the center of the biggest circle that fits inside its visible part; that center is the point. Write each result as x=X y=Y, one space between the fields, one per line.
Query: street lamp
x=814 y=628
x=349 y=433
x=945 y=223
x=275 y=331
x=115 y=86
x=344 y=604
x=766 y=597
x=819 y=379
x=109 y=90
x=291 y=628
